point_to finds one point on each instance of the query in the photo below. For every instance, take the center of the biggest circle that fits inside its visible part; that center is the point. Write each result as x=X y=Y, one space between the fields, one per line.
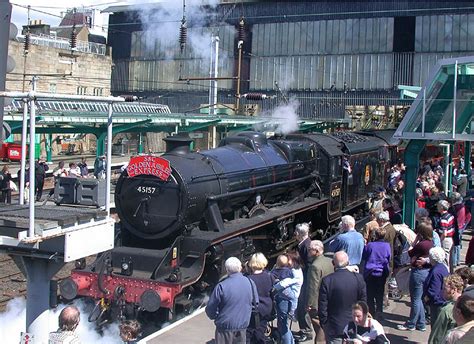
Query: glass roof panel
x=444 y=107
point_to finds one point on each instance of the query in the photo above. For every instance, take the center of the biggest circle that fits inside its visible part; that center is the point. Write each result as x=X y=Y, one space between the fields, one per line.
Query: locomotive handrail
x=263 y=169
x=258 y=188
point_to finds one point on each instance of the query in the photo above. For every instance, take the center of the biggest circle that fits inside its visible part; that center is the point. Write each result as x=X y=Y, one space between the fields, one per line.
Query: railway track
x=13 y=282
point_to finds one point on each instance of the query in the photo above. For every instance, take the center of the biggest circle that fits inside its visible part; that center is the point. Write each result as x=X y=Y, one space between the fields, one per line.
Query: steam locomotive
x=183 y=213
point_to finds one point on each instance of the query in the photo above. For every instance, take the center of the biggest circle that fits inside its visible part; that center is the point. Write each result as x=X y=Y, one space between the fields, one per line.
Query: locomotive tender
x=182 y=214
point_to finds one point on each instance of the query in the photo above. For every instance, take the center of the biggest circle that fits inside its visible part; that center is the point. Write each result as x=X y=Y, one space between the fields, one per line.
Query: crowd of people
x=73 y=170
x=342 y=300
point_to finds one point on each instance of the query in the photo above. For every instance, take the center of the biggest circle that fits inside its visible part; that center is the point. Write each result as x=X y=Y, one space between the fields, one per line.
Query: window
x=404 y=34
x=52 y=88
x=98 y=91
x=81 y=90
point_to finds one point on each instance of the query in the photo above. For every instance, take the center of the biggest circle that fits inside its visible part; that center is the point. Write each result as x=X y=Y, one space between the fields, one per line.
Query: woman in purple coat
x=377 y=262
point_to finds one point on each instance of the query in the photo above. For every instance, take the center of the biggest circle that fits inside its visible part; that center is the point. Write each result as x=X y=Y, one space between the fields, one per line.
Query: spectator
x=5 y=185
x=83 y=167
x=289 y=279
x=452 y=289
x=264 y=283
x=467 y=275
x=320 y=268
x=433 y=285
x=371 y=226
x=129 y=331
x=350 y=241
x=26 y=177
x=377 y=260
x=463 y=314
x=383 y=219
x=461 y=182
x=470 y=253
x=420 y=269
x=40 y=174
x=68 y=322
x=304 y=321
x=363 y=328
x=378 y=199
x=100 y=167
x=394 y=212
x=230 y=304
x=422 y=215
x=59 y=171
x=420 y=202
x=338 y=292
x=74 y=171
x=461 y=219
x=446 y=228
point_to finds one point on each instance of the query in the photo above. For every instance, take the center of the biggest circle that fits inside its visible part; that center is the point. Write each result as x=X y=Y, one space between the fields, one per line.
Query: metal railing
x=63 y=43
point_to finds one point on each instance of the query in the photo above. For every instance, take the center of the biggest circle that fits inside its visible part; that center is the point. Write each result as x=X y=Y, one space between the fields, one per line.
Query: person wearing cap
x=377 y=201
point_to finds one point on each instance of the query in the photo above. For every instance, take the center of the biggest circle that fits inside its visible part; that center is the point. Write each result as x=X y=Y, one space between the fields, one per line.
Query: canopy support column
x=412 y=159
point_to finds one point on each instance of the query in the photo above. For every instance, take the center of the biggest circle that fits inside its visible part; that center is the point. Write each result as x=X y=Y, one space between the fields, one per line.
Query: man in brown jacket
x=371 y=226
x=320 y=267
x=383 y=220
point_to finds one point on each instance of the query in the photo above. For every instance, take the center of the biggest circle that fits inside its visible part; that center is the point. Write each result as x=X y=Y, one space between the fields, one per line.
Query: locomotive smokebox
x=178 y=144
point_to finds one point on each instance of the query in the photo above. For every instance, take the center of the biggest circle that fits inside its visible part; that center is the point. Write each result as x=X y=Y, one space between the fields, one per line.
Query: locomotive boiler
x=183 y=213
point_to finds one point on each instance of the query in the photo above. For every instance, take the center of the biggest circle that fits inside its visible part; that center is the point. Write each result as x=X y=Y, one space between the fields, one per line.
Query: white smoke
x=161 y=24
x=284 y=117
x=13 y=322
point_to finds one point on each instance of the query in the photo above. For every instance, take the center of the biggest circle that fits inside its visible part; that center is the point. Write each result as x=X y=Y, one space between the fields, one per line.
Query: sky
x=54 y=7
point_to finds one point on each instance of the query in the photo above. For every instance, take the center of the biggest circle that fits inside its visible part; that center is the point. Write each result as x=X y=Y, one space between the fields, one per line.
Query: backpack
x=400 y=250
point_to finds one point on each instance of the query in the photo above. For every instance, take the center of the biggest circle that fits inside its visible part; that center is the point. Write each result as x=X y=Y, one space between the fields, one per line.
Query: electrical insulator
x=183 y=34
x=255 y=96
x=26 y=47
x=241 y=30
x=73 y=41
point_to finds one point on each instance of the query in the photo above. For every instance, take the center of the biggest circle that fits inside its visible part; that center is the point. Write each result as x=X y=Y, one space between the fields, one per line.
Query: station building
x=339 y=59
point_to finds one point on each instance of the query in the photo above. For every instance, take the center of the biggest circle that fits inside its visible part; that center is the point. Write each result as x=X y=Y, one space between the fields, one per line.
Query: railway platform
x=198 y=329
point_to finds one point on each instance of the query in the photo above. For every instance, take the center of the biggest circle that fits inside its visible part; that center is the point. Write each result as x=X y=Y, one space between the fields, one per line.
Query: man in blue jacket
x=230 y=304
x=350 y=241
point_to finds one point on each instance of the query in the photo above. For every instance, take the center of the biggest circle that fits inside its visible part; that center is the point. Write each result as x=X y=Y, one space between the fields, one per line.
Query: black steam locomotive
x=182 y=214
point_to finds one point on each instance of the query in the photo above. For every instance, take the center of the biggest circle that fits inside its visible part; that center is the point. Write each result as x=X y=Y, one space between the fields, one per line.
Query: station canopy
x=444 y=107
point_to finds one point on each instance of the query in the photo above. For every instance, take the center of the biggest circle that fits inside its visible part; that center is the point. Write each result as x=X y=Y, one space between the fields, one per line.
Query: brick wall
x=90 y=72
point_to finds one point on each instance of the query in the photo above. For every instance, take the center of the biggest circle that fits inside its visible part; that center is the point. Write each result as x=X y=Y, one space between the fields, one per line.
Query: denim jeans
x=283 y=308
x=417 y=311
x=456 y=253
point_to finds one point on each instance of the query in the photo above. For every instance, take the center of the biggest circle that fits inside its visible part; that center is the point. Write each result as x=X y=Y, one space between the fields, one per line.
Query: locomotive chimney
x=178 y=144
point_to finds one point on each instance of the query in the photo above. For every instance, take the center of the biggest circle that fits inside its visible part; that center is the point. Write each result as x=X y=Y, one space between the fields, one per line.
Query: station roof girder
x=68 y=118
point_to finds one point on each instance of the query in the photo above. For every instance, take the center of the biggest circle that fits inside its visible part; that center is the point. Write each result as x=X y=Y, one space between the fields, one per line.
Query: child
x=289 y=278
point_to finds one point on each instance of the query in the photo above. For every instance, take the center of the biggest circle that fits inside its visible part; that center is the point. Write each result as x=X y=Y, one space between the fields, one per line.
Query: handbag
x=254 y=315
